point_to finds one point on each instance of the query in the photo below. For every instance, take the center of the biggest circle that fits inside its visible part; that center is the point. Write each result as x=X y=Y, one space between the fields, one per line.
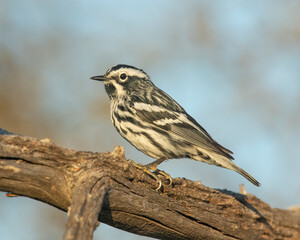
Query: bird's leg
x=153 y=167
x=146 y=170
x=154 y=164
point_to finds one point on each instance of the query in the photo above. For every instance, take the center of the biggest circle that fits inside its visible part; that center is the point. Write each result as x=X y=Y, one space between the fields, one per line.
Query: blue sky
x=233 y=65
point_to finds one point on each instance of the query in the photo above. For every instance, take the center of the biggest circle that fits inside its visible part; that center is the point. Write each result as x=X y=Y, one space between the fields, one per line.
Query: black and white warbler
x=157 y=125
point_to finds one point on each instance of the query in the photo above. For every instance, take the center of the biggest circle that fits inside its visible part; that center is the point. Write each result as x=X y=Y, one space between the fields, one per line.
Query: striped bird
x=157 y=125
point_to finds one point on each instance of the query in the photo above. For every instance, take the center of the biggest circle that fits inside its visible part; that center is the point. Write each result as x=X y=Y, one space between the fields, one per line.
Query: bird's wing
x=190 y=129
x=181 y=124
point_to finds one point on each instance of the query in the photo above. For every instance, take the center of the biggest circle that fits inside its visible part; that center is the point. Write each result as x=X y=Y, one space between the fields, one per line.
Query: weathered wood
x=86 y=183
x=87 y=201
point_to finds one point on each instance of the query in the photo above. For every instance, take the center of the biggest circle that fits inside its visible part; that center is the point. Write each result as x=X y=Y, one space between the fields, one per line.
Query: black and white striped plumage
x=156 y=124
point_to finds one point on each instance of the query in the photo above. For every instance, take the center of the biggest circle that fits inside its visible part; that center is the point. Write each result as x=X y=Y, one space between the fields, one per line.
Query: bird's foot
x=153 y=167
x=156 y=172
x=165 y=175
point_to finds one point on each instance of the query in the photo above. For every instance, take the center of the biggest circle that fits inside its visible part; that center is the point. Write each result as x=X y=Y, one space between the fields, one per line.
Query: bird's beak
x=100 y=78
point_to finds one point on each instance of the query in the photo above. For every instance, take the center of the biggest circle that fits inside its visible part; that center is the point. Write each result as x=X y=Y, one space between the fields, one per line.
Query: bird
x=154 y=123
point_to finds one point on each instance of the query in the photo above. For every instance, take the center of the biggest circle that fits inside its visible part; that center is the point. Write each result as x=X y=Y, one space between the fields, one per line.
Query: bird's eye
x=123 y=77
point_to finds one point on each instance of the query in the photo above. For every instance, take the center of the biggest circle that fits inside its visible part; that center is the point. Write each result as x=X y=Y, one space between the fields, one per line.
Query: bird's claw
x=153 y=174
x=166 y=175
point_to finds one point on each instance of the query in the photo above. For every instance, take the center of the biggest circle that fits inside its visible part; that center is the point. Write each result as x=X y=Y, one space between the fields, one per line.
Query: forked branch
x=104 y=187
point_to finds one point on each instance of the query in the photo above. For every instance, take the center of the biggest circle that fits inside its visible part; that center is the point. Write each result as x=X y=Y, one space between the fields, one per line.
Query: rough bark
x=104 y=187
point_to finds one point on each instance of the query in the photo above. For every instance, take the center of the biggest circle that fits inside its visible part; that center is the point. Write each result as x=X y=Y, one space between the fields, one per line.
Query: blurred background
x=233 y=65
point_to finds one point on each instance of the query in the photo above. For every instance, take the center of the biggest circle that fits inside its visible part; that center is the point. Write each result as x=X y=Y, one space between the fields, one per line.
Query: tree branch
x=105 y=187
x=87 y=201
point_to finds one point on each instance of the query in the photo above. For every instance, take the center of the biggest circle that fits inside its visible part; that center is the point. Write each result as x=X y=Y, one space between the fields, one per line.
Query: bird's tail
x=245 y=174
x=227 y=163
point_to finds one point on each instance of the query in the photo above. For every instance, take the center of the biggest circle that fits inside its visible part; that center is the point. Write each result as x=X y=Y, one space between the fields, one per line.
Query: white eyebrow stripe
x=130 y=72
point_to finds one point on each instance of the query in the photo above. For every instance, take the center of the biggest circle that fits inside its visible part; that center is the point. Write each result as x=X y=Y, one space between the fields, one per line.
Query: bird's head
x=122 y=80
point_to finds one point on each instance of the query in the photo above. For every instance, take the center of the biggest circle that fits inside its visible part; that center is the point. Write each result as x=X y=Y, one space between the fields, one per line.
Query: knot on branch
x=104 y=187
